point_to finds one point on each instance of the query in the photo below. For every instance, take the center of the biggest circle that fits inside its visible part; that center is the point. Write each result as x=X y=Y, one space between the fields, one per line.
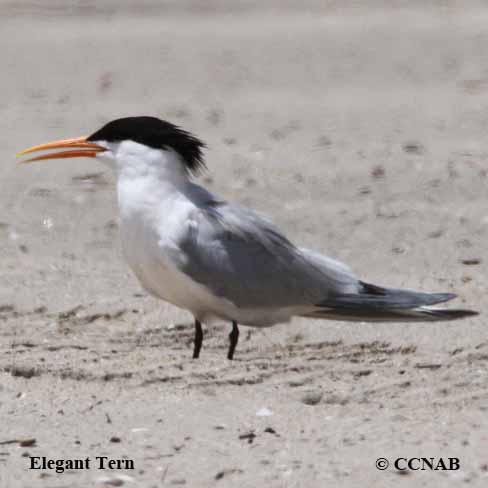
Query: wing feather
x=239 y=255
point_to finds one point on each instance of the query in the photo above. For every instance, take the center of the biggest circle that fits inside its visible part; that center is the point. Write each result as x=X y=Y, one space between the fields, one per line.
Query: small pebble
x=378 y=172
x=27 y=442
x=115 y=480
x=312 y=397
x=178 y=481
x=264 y=412
x=413 y=148
x=403 y=472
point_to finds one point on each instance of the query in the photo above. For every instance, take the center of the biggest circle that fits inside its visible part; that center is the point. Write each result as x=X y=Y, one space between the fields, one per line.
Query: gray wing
x=240 y=256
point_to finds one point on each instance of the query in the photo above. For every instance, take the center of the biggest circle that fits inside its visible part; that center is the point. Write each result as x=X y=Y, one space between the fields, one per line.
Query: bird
x=217 y=259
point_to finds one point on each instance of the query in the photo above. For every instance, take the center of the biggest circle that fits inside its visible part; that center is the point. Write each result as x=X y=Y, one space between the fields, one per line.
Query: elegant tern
x=217 y=259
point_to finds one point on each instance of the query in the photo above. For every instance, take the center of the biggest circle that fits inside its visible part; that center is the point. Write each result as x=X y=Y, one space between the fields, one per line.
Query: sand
x=360 y=129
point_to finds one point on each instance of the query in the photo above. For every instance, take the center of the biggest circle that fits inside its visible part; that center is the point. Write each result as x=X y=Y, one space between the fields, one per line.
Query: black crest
x=156 y=133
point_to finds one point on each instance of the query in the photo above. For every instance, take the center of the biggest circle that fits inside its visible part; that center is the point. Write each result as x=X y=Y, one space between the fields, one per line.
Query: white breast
x=155 y=271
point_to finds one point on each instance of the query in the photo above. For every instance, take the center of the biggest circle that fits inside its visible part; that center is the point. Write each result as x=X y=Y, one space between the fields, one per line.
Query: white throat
x=149 y=181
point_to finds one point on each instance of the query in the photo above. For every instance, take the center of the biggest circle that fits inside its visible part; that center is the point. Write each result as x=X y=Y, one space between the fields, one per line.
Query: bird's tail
x=376 y=304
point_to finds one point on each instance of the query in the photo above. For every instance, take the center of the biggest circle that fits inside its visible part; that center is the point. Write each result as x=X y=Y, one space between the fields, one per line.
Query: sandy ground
x=360 y=130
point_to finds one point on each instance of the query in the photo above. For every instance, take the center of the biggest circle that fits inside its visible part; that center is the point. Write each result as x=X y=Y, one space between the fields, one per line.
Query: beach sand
x=360 y=130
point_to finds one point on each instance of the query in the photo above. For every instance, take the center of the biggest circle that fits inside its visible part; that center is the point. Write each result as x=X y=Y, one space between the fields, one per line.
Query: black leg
x=233 y=337
x=198 y=339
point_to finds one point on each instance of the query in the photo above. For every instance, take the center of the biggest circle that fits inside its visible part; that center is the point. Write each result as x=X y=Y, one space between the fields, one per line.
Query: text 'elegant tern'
x=217 y=259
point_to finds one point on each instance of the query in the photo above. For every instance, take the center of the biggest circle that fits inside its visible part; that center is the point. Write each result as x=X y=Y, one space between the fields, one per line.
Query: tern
x=220 y=260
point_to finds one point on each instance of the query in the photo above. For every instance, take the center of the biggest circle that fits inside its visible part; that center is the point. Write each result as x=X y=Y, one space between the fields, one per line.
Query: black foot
x=198 y=339
x=233 y=337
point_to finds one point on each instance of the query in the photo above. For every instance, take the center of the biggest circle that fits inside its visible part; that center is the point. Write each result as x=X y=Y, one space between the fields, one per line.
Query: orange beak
x=84 y=149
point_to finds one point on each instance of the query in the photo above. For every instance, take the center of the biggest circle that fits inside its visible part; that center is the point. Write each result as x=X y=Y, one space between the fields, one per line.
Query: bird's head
x=127 y=140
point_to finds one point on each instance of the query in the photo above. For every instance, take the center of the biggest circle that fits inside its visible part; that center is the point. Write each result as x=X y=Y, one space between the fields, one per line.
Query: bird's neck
x=146 y=183
x=162 y=167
